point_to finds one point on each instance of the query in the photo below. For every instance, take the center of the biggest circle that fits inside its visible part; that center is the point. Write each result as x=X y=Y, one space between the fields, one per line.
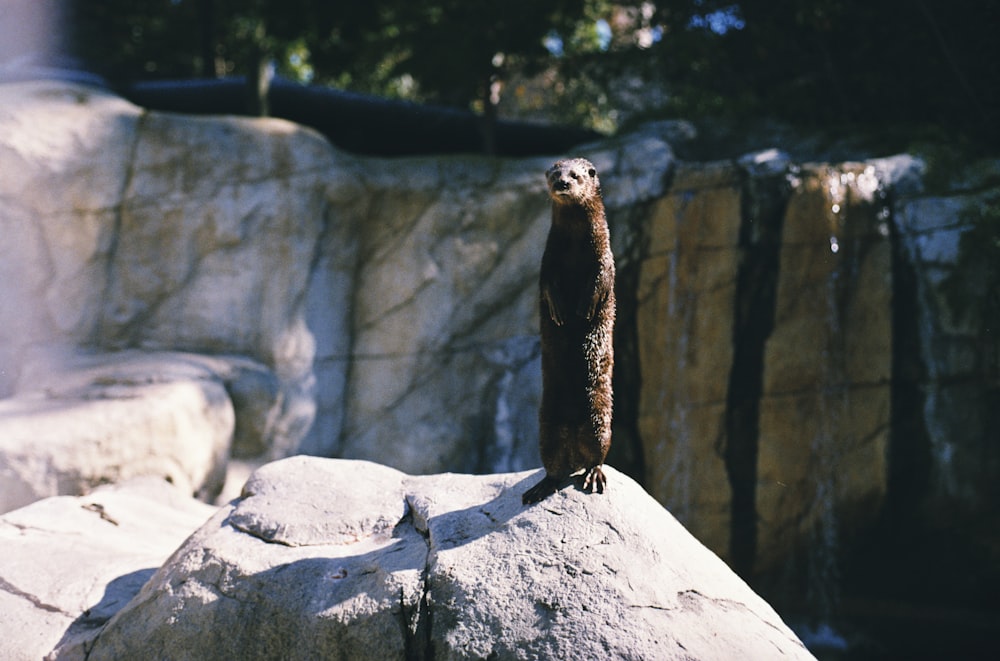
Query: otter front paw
x=594 y=480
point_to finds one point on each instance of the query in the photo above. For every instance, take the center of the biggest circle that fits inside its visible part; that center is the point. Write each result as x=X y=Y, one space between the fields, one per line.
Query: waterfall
x=856 y=213
x=681 y=311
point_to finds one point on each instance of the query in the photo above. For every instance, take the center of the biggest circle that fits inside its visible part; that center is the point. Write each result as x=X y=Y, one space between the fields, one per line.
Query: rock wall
x=126 y=229
x=337 y=559
x=765 y=318
x=947 y=454
x=385 y=309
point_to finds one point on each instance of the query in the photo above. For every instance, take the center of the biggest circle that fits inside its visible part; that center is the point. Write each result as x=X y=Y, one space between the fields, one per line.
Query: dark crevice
x=764 y=198
x=425 y=617
x=630 y=235
x=909 y=441
x=10 y=588
x=418 y=642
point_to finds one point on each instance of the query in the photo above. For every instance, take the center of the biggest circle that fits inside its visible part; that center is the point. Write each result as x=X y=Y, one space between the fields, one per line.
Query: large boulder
x=70 y=563
x=101 y=419
x=125 y=229
x=329 y=558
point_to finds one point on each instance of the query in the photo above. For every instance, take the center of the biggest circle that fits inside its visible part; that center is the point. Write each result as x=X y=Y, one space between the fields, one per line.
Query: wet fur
x=577 y=316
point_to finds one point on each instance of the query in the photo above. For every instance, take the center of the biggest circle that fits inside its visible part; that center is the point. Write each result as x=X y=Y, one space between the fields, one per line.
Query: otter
x=577 y=317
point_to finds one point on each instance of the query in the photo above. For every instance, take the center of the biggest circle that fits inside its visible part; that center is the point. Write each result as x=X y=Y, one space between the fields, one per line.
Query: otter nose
x=561 y=184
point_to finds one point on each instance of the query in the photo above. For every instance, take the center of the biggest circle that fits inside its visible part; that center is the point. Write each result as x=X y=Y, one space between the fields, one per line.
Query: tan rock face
x=685 y=321
x=824 y=410
x=823 y=407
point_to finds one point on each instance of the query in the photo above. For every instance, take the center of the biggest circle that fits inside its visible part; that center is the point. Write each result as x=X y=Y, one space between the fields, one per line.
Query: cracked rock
x=326 y=558
x=106 y=418
x=70 y=563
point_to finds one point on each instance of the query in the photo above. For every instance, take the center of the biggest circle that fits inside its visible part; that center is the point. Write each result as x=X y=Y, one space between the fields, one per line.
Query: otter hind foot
x=594 y=480
x=541 y=491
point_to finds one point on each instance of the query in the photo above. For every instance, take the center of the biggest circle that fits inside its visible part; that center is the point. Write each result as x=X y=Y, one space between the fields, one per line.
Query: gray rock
x=346 y=559
x=122 y=230
x=70 y=563
x=107 y=418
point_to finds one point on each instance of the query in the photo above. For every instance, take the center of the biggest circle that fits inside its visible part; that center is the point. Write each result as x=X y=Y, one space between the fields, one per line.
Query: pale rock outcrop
x=344 y=559
x=131 y=229
x=70 y=563
x=65 y=157
x=104 y=419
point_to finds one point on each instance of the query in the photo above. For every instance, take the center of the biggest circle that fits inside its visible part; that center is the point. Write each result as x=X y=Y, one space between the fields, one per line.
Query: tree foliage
x=893 y=62
x=840 y=61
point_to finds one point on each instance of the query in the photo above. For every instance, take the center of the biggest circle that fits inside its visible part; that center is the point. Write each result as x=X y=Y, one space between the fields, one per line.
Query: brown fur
x=577 y=310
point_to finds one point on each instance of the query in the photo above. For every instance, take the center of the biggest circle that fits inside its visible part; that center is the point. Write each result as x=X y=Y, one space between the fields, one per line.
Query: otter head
x=573 y=181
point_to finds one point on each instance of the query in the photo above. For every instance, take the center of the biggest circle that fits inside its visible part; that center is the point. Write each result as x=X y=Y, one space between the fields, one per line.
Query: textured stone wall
x=947 y=457
x=386 y=309
x=687 y=291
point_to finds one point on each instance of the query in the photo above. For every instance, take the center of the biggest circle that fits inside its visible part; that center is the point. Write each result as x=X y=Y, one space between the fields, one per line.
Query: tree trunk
x=258 y=74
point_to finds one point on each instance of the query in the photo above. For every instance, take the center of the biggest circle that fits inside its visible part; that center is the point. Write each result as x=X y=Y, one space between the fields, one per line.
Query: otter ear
x=592 y=172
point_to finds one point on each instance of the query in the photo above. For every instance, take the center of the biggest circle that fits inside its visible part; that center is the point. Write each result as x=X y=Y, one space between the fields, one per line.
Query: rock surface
x=951 y=245
x=122 y=230
x=385 y=309
x=103 y=419
x=686 y=294
x=827 y=363
x=70 y=563
x=345 y=559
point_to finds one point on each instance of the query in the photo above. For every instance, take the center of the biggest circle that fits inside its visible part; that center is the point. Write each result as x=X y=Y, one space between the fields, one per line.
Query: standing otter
x=577 y=311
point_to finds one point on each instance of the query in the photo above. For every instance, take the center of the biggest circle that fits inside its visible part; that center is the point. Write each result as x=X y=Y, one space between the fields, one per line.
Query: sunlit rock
x=69 y=564
x=106 y=419
x=129 y=229
x=446 y=278
x=335 y=559
x=65 y=155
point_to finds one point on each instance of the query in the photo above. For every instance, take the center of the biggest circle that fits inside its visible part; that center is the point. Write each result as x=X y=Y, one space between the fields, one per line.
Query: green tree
x=890 y=64
x=446 y=51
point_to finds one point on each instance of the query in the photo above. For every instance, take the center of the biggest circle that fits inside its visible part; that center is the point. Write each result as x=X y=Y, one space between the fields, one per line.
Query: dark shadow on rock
x=458 y=527
x=289 y=605
x=117 y=593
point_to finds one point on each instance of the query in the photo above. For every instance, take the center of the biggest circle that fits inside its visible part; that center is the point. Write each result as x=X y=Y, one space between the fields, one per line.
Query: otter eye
x=574 y=175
